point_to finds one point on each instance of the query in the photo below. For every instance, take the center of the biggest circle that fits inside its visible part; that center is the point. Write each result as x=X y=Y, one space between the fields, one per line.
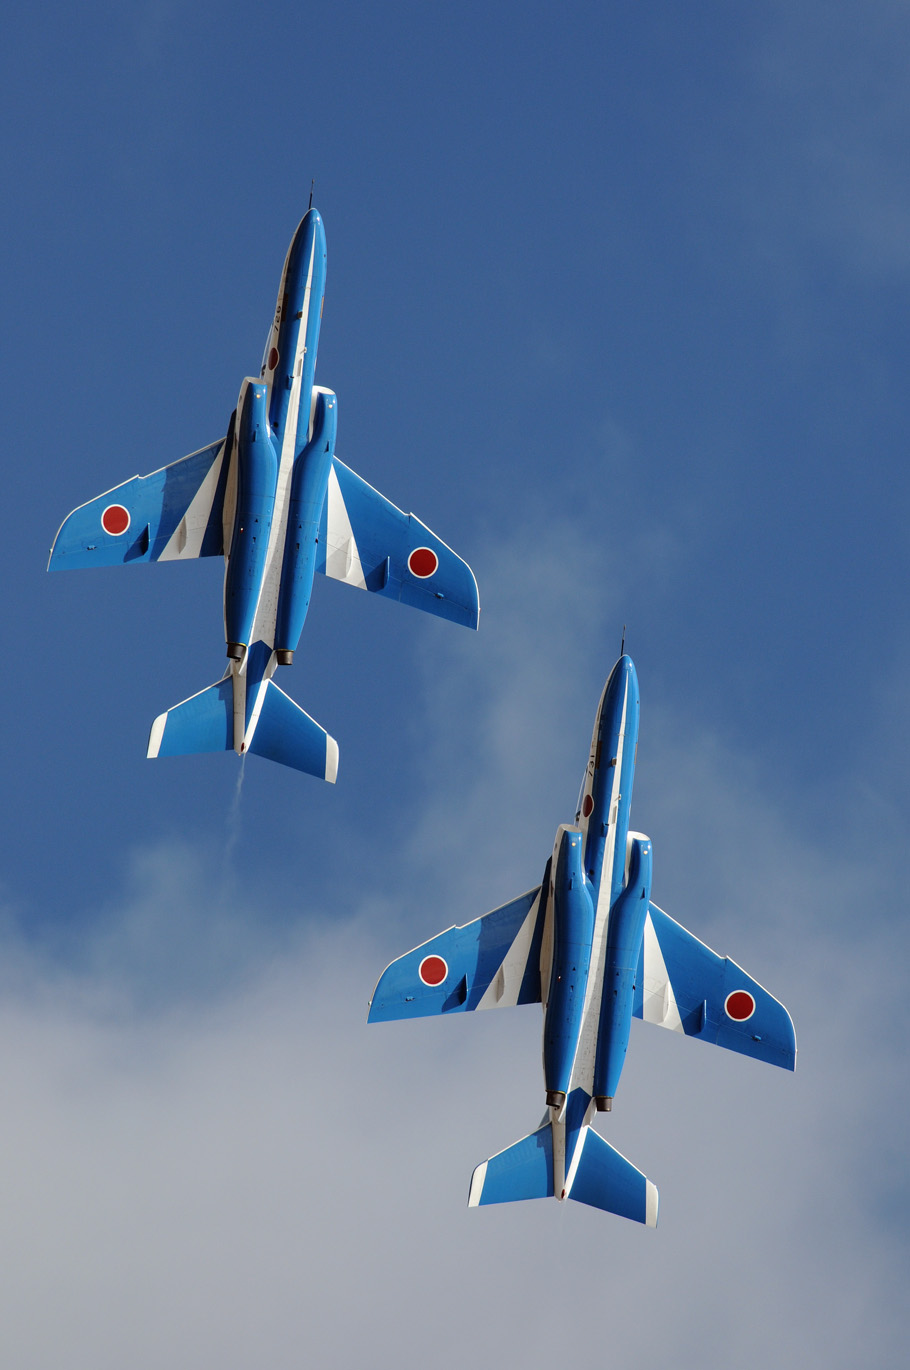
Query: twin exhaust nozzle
x=236 y=652
x=603 y=1102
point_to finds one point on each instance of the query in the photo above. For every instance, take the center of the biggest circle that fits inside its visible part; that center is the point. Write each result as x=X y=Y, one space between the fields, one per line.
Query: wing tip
x=652 y=1203
x=475 y=1193
x=156 y=733
x=331 y=759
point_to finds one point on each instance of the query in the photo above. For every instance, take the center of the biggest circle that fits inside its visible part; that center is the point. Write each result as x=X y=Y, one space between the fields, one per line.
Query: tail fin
x=598 y=1175
x=523 y=1171
x=278 y=729
x=605 y=1179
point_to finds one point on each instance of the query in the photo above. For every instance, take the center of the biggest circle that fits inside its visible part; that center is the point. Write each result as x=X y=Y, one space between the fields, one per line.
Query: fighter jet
x=589 y=943
x=276 y=501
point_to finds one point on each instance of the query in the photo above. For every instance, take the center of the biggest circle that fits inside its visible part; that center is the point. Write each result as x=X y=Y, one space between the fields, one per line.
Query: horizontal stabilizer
x=203 y=723
x=598 y=1176
x=493 y=962
x=523 y=1171
x=367 y=541
x=278 y=729
x=286 y=734
x=172 y=515
x=605 y=1179
x=683 y=985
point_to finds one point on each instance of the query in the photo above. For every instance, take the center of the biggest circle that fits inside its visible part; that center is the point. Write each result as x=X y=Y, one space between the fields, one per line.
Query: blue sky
x=617 y=303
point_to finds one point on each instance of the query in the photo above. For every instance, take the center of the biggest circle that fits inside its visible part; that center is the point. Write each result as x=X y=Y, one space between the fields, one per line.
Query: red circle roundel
x=115 y=519
x=739 y=1005
x=423 y=562
x=587 y=806
x=273 y=359
x=432 y=970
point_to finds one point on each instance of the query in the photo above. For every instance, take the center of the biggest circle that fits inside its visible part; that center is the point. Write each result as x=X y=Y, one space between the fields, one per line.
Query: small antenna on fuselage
x=622 y=648
x=312 y=188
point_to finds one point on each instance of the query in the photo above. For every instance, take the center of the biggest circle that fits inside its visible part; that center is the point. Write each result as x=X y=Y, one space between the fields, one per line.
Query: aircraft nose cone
x=309 y=229
x=312 y=225
x=630 y=675
x=305 y=261
x=624 y=676
x=620 y=690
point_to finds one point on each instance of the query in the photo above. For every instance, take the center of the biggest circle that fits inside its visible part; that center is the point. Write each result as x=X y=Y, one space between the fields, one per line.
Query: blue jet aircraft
x=275 y=500
x=589 y=943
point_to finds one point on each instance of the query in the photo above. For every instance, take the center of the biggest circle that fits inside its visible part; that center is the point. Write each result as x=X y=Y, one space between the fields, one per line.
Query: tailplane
x=277 y=729
x=605 y=1179
x=286 y=734
x=598 y=1175
x=203 y=723
x=523 y=1171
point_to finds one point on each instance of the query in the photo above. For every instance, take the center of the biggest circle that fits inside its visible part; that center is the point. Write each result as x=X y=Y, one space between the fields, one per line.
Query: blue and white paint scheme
x=275 y=500
x=591 y=946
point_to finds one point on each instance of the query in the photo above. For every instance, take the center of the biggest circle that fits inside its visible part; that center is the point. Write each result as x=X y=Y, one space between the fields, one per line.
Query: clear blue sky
x=617 y=303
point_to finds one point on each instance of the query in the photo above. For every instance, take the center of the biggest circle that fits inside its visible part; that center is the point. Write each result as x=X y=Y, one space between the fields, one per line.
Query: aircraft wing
x=366 y=541
x=493 y=962
x=172 y=514
x=683 y=985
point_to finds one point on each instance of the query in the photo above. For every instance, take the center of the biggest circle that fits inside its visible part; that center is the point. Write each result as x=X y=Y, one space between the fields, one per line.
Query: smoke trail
x=232 y=824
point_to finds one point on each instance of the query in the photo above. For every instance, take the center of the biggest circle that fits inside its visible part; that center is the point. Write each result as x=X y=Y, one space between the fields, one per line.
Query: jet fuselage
x=598 y=889
x=304 y=423
x=275 y=501
x=282 y=439
x=589 y=945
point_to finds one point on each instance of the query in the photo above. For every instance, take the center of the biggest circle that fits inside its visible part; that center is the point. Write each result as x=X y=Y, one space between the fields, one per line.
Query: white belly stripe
x=266 y=615
x=583 y=1066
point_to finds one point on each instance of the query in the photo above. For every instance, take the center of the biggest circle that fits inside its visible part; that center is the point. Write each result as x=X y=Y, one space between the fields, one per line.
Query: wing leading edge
x=681 y=984
x=493 y=962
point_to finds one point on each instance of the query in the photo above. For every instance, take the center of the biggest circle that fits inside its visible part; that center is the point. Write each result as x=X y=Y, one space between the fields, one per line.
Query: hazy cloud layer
x=242 y=1172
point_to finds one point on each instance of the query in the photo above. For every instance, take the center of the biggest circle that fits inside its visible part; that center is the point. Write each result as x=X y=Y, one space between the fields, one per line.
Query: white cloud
x=238 y=1171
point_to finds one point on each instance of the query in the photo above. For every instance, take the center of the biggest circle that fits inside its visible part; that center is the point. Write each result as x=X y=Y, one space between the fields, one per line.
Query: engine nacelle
x=257 y=480
x=624 y=936
x=573 y=935
x=309 y=482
